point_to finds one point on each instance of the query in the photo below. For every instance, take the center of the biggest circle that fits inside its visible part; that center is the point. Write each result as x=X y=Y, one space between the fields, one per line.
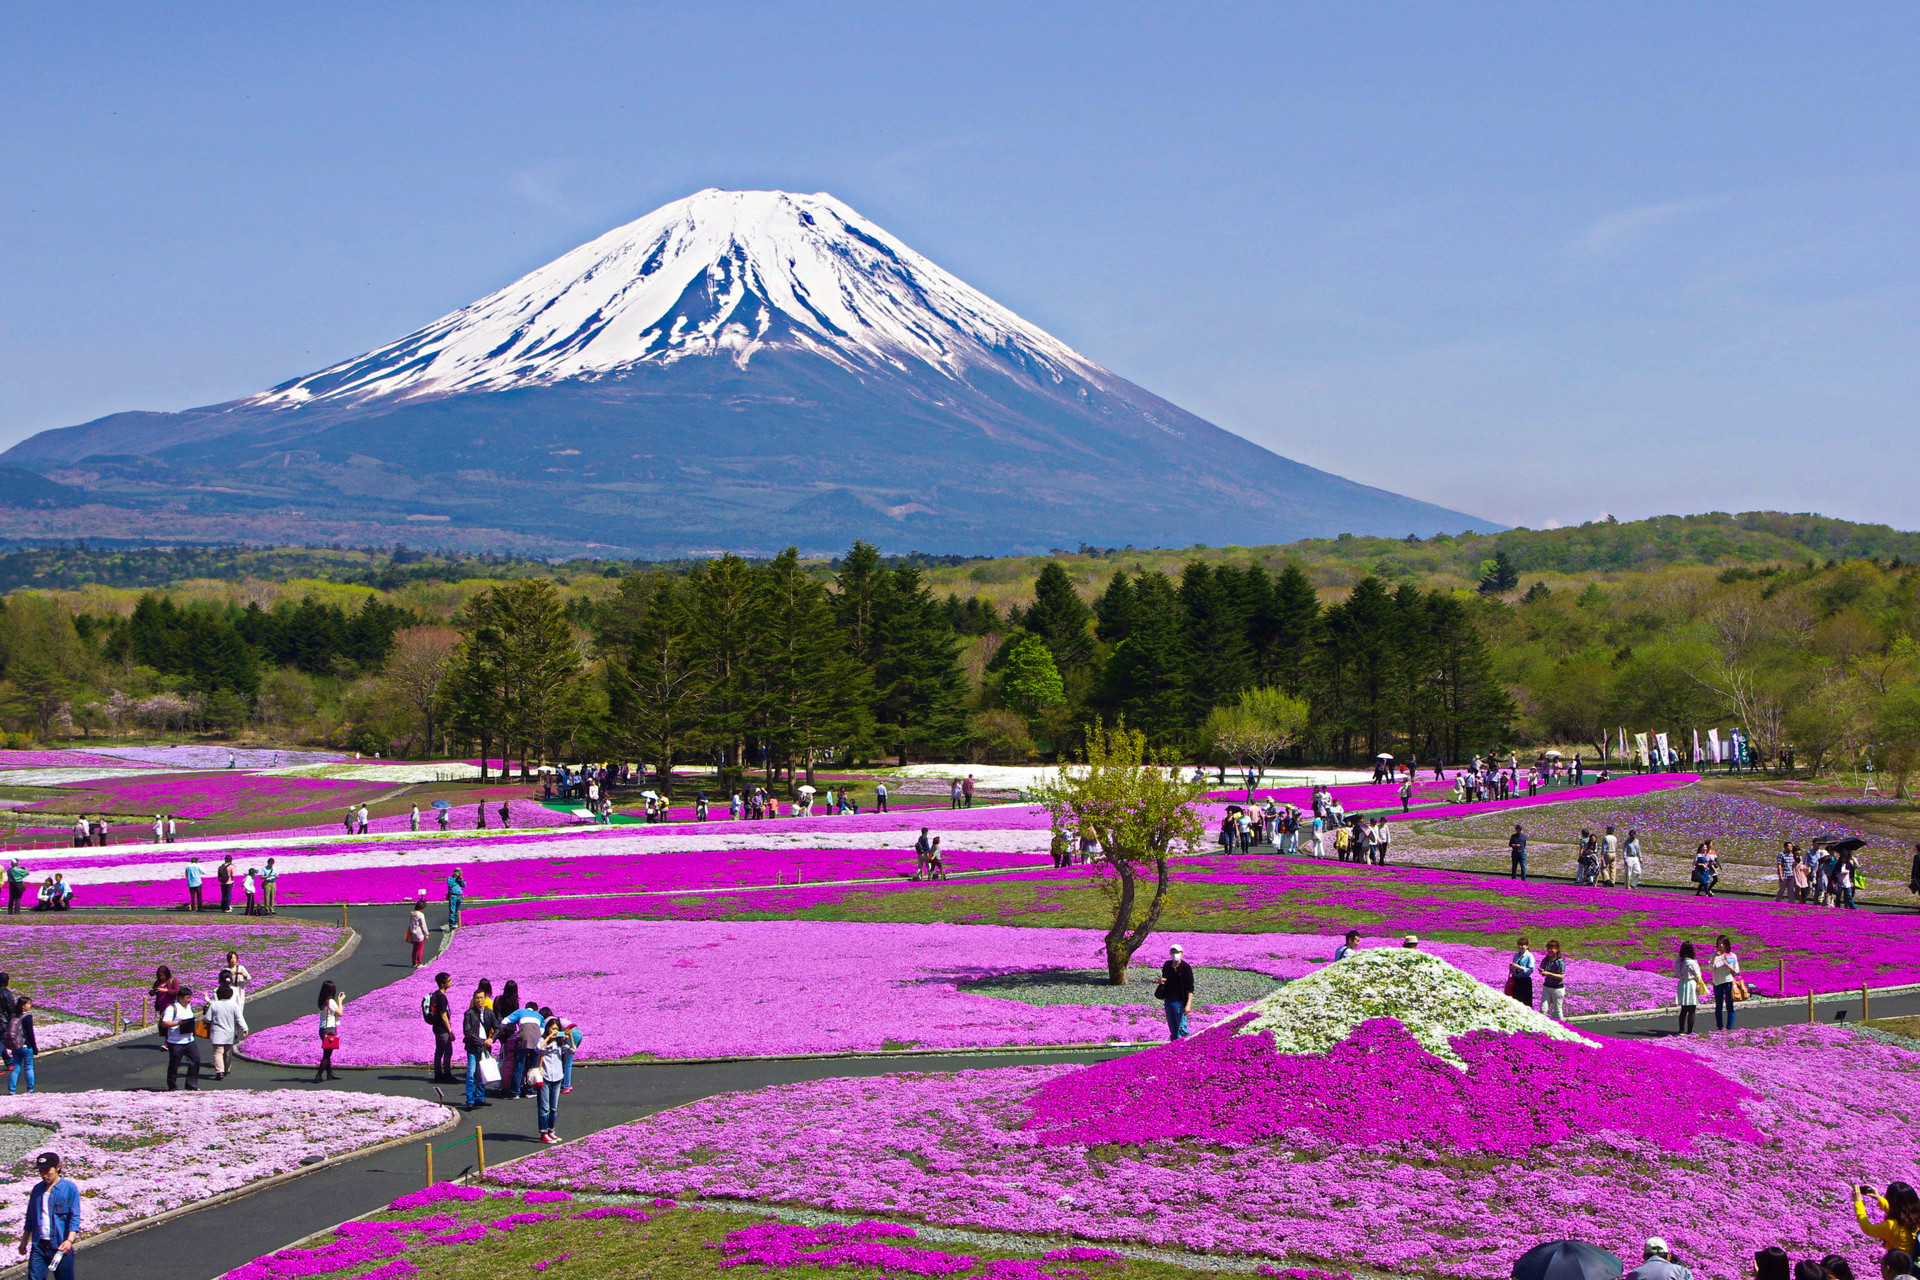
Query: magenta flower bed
x=955 y=1149
x=203 y=757
x=86 y=968
x=694 y=990
x=521 y=815
x=1380 y=1087
x=1370 y=796
x=544 y=870
x=212 y=795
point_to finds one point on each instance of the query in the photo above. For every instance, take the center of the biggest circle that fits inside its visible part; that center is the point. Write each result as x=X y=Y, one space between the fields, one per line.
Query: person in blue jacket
x=53 y=1222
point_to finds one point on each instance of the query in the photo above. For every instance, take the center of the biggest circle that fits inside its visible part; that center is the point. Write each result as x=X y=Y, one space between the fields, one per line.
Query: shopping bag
x=489 y=1069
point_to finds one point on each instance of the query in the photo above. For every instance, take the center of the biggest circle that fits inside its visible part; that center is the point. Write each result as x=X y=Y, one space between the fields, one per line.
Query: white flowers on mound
x=1430 y=997
x=378 y=771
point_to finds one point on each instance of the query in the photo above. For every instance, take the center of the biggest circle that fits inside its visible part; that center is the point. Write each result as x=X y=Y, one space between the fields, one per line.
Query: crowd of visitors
x=183 y=1021
x=514 y=1045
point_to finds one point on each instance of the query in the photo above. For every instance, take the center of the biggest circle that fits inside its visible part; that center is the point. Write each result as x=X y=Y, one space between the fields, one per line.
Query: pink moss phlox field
x=1367 y=796
x=950 y=1148
x=59 y=760
x=397 y=872
x=183 y=756
x=681 y=989
x=1379 y=1086
x=86 y=968
x=213 y=795
x=137 y=1154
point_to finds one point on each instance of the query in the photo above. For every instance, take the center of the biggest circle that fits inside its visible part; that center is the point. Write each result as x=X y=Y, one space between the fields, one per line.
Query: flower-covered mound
x=138 y=1154
x=1835 y=1107
x=1392 y=1047
x=696 y=989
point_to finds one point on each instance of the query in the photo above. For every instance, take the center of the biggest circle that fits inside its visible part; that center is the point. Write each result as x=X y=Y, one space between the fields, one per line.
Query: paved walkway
x=202 y=1245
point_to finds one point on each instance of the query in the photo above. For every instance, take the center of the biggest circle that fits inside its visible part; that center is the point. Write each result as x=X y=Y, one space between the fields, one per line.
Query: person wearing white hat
x=1658 y=1264
x=1175 y=992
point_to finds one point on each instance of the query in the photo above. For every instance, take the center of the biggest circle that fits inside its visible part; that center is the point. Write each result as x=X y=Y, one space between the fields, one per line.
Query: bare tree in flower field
x=413 y=672
x=1140 y=812
x=1256 y=729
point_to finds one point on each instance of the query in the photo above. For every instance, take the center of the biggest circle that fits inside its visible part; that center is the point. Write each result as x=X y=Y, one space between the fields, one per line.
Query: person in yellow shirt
x=1899 y=1212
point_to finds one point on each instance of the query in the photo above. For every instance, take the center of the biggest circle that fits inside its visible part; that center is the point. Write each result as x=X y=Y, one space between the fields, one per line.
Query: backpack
x=14 y=1034
x=426 y=1009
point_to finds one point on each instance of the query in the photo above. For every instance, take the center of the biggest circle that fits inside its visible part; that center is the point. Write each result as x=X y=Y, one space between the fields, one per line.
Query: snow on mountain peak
x=719 y=273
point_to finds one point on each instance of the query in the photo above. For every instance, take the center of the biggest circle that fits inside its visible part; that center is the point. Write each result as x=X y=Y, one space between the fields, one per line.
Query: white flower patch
x=1431 y=998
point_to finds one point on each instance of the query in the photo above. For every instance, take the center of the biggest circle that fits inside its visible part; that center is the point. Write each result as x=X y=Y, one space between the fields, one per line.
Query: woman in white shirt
x=333 y=1003
x=1726 y=972
x=226 y=1023
x=1686 y=974
x=238 y=976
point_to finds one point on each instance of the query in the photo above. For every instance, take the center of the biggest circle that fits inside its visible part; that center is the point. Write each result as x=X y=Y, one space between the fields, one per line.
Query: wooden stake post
x=480 y=1145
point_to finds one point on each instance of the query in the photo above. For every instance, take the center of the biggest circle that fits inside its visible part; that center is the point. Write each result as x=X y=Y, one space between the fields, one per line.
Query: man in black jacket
x=1175 y=993
x=477 y=1029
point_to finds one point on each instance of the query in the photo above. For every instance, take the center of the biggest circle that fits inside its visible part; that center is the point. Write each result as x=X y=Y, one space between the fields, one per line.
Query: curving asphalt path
x=205 y=1244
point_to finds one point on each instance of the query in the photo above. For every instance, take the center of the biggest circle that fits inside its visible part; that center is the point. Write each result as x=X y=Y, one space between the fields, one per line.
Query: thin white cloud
x=1622 y=230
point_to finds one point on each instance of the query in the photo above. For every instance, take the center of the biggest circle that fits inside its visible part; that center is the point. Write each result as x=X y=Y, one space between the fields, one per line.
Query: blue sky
x=1533 y=262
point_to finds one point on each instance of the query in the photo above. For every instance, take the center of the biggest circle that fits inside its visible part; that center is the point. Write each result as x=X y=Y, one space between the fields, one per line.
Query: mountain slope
x=737 y=370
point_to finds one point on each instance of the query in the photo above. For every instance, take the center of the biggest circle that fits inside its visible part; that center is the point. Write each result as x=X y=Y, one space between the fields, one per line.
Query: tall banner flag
x=1713 y=745
x=1697 y=757
x=1666 y=756
x=1640 y=746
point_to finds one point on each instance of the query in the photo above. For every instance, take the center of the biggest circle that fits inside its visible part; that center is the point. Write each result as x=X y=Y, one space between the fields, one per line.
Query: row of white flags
x=1731 y=747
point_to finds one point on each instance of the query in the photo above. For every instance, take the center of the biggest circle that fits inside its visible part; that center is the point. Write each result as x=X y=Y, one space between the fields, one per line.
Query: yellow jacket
x=1890 y=1231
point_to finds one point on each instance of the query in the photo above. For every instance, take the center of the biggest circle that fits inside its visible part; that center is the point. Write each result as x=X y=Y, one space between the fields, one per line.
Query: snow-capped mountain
x=737 y=370
x=728 y=273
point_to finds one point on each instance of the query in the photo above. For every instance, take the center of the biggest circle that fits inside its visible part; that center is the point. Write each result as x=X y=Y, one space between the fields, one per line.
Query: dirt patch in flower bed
x=1212 y=986
x=474 y=1233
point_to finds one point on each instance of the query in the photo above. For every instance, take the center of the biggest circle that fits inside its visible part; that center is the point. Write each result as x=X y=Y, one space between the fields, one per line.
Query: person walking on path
x=456 y=890
x=1609 y=855
x=269 y=881
x=1687 y=978
x=176 y=1022
x=159 y=829
x=173 y=829
x=953 y=795
x=1632 y=850
x=164 y=991
x=194 y=877
x=880 y=797
x=417 y=935
x=439 y=1015
x=551 y=1055
x=238 y=977
x=363 y=820
x=1175 y=992
x=413 y=819
x=1706 y=869
x=16 y=1033
x=226 y=1023
x=17 y=885
x=333 y=1003
x=225 y=876
x=53 y=1222
x=1553 y=976
x=1520 y=971
x=966 y=793
x=444 y=817
x=349 y=819
x=1783 y=864
x=1899 y=1214
x=1406 y=793
x=1726 y=975
x=1517 y=853
x=480 y=816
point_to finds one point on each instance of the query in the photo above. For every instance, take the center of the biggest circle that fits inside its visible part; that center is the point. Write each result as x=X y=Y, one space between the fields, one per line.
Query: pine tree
x=814 y=693
x=725 y=627
x=1061 y=618
x=1146 y=678
x=654 y=681
x=860 y=580
x=1113 y=609
x=1291 y=631
x=1219 y=665
x=1029 y=680
x=919 y=687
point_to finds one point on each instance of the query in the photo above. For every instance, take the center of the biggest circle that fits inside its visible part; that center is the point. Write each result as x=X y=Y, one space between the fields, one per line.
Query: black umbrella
x=1567 y=1260
x=1839 y=844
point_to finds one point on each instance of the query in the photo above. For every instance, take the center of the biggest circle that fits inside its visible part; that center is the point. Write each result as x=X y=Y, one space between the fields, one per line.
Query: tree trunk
x=1118 y=952
x=486 y=745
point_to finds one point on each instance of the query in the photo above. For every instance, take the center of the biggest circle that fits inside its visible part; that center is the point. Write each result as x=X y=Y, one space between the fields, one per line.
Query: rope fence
x=479 y=1140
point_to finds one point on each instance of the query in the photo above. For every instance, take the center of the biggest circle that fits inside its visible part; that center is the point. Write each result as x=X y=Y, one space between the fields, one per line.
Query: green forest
x=1798 y=629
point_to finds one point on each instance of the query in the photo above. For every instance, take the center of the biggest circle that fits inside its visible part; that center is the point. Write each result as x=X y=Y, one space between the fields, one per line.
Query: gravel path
x=1089 y=986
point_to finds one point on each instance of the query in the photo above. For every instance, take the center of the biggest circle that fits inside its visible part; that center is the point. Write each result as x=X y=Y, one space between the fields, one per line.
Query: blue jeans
x=547 y=1104
x=40 y=1261
x=476 y=1092
x=1176 y=1019
x=22 y=1061
x=453 y=913
x=566 y=1077
x=1518 y=871
x=1723 y=1006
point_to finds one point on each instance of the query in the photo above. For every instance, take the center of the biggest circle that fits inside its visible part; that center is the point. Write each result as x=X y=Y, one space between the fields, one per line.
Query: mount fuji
x=738 y=370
